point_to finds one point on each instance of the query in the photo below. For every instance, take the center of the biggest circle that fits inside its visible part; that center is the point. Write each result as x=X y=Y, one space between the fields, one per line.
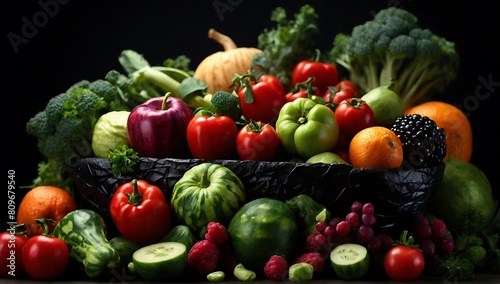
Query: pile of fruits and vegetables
x=369 y=102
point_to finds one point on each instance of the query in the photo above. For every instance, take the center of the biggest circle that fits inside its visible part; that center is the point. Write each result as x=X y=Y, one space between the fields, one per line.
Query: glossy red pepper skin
x=140 y=212
x=325 y=74
x=260 y=100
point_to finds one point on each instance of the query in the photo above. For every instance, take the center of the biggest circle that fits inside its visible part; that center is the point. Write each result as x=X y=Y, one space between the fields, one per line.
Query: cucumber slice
x=350 y=261
x=160 y=261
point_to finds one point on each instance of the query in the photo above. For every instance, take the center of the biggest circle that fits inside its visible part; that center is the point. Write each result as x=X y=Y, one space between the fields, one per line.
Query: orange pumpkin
x=219 y=68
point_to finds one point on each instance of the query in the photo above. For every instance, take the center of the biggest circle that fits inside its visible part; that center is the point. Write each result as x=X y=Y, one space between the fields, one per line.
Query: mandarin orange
x=376 y=147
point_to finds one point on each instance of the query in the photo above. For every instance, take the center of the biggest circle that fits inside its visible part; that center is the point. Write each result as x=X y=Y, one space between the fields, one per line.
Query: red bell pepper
x=140 y=212
x=325 y=74
x=260 y=100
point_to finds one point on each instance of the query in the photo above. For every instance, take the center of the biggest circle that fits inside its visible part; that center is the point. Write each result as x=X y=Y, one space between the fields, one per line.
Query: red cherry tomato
x=212 y=137
x=45 y=257
x=257 y=141
x=342 y=91
x=352 y=116
x=325 y=74
x=404 y=262
x=11 y=257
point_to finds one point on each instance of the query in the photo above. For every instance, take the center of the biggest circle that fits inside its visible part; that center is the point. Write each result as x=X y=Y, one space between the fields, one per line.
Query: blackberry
x=423 y=141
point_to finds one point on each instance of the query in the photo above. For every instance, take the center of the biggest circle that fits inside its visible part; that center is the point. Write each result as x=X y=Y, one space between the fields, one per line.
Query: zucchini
x=160 y=261
x=181 y=234
x=125 y=249
x=350 y=261
x=84 y=231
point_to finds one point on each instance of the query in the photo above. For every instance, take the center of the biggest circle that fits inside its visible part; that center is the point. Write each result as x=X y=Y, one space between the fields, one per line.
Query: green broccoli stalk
x=393 y=47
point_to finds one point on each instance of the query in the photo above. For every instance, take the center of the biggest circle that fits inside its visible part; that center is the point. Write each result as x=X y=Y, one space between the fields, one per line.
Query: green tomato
x=110 y=131
x=306 y=128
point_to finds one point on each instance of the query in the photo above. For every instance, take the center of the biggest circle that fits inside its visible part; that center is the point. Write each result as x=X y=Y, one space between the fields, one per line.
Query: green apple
x=326 y=158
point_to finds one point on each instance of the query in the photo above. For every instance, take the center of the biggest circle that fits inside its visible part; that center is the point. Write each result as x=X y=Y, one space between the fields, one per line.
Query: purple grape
x=428 y=247
x=353 y=219
x=356 y=207
x=368 y=219
x=343 y=228
x=320 y=226
x=368 y=208
x=364 y=234
x=438 y=228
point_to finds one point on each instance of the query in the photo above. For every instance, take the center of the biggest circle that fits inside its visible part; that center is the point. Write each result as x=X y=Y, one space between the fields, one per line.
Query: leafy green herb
x=455 y=268
x=123 y=159
x=291 y=41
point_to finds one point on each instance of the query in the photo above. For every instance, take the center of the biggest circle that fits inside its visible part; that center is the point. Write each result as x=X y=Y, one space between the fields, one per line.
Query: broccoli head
x=110 y=93
x=392 y=47
x=225 y=103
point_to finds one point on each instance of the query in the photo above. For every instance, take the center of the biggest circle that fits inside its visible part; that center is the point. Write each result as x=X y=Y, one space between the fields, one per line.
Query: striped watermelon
x=207 y=192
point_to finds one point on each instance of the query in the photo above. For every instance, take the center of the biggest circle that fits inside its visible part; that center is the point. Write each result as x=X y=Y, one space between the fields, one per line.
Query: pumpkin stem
x=226 y=42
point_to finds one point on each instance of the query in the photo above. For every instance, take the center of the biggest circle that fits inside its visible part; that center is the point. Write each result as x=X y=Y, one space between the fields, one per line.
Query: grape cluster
x=355 y=227
x=432 y=237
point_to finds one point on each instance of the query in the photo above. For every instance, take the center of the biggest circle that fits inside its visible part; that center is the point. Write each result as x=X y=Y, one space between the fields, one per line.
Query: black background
x=82 y=40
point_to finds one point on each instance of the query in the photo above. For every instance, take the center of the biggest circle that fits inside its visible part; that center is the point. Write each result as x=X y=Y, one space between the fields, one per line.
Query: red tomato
x=259 y=100
x=273 y=80
x=352 y=116
x=11 y=258
x=212 y=137
x=325 y=74
x=140 y=212
x=303 y=90
x=404 y=262
x=342 y=91
x=257 y=141
x=45 y=257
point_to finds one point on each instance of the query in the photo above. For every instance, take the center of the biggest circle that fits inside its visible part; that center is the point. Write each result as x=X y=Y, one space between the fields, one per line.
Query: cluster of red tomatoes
x=262 y=100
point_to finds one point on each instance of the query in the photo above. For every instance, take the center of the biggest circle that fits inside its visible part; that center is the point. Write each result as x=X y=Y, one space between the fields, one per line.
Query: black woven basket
x=396 y=194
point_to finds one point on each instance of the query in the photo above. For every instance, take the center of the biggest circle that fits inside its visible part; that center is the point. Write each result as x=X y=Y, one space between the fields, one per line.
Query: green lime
x=386 y=105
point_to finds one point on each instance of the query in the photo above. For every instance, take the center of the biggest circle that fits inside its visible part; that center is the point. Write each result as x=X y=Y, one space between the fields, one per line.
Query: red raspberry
x=203 y=257
x=315 y=242
x=216 y=233
x=313 y=258
x=276 y=268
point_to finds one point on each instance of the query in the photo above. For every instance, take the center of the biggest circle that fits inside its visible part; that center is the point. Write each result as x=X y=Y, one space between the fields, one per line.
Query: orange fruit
x=47 y=202
x=376 y=147
x=454 y=122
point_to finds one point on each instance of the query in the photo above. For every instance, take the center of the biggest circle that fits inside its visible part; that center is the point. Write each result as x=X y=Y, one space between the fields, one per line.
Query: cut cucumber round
x=350 y=261
x=160 y=261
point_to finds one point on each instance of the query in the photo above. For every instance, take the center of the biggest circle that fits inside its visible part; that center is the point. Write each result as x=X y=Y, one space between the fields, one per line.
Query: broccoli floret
x=393 y=47
x=64 y=128
x=110 y=93
x=38 y=125
x=225 y=103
